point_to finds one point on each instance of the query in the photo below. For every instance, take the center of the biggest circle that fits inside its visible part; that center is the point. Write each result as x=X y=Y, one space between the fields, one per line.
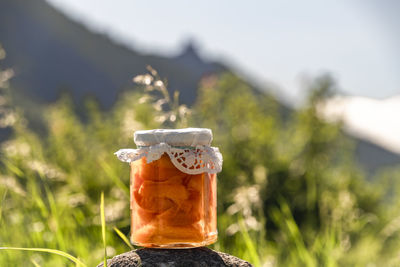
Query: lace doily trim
x=190 y=160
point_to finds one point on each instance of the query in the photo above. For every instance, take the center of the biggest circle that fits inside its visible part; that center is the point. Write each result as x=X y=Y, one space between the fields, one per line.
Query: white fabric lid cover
x=174 y=137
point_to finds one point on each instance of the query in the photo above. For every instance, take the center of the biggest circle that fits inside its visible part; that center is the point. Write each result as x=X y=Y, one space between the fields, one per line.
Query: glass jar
x=173 y=188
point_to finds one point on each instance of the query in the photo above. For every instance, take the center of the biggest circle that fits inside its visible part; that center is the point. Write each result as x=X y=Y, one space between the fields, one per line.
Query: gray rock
x=174 y=257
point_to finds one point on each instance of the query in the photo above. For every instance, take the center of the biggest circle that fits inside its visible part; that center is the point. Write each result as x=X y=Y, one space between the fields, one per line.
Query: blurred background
x=303 y=99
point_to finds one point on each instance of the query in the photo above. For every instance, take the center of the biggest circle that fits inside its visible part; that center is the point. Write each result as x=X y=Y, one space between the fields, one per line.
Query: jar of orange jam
x=173 y=188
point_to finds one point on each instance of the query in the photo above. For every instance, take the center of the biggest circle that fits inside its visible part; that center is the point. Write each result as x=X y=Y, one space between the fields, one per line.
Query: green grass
x=103 y=228
x=51 y=251
x=290 y=193
x=124 y=238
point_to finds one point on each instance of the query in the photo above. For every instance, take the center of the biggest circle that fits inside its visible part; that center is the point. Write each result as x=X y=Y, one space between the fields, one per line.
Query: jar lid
x=174 y=137
x=189 y=149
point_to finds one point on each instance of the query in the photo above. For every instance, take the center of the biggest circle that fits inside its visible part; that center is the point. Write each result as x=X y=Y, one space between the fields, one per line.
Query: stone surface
x=174 y=257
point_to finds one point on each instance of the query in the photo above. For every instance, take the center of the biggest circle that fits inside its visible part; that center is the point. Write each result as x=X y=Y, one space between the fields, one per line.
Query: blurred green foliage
x=290 y=193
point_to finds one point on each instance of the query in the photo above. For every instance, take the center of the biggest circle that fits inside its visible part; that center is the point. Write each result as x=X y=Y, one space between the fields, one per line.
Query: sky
x=283 y=43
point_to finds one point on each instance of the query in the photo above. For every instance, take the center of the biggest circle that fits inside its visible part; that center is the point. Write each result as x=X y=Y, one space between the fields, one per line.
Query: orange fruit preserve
x=170 y=208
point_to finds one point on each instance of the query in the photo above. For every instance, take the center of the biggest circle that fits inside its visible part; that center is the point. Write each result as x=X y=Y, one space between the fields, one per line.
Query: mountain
x=372 y=157
x=50 y=54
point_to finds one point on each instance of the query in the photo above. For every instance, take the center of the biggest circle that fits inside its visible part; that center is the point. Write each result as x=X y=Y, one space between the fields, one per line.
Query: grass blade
x=251 y=247
x=35 y=263
x=103 y=227
x=123 y=237
x=48 y=250
x=111 y=174
x=1 y=204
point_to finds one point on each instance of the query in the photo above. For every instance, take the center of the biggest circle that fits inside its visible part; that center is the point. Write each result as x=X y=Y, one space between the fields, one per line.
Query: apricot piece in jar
x=142 y=217
x=154 y=233
x=177 y=193
x=196 y=182
x=153 y=204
